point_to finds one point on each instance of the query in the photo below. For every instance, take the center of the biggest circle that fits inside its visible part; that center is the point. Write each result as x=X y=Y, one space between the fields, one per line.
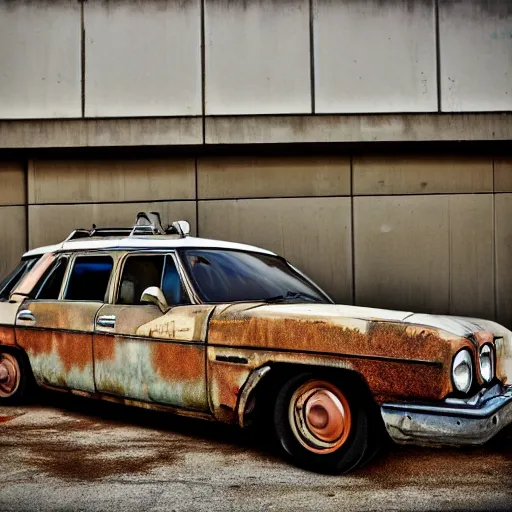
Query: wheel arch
x=261 y=387
x=16 y=350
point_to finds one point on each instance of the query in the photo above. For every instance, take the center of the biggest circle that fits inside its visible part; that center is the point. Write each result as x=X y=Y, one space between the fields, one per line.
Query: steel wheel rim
x=9 y=375
x=319 y=416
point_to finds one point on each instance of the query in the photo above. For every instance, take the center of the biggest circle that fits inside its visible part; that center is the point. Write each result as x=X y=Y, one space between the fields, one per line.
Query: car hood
x=459 y=326
x=356 y=317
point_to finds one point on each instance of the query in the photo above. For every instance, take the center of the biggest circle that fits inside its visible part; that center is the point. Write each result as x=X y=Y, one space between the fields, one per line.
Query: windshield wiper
x=290 y=296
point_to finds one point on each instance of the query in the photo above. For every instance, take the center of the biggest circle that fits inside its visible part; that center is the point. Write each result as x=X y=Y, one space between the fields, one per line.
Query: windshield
x=8 y=284
x=230 y=276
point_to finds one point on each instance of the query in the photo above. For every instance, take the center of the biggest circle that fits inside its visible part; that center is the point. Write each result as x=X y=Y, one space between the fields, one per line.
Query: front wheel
x=13 y=379
x=321 y=424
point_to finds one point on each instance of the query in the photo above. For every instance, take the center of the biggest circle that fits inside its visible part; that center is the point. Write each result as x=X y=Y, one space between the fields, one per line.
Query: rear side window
x=89 y=278
x=50 y=284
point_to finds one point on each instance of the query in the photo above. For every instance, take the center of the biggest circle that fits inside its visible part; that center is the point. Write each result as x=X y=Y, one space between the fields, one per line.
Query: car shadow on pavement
x=392 y=466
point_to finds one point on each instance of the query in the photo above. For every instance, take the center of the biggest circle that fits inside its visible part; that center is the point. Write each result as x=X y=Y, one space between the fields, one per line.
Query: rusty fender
x=397 y=361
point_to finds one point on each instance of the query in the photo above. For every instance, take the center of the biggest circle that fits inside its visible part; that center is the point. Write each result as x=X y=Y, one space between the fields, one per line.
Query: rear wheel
x=13 y=378
x=321 y=424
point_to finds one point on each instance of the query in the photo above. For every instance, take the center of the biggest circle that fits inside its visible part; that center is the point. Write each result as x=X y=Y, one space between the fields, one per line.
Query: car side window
x=48 y=287
x=139 y=273
x=142 y=271
x=172 y=285
x=89 y=278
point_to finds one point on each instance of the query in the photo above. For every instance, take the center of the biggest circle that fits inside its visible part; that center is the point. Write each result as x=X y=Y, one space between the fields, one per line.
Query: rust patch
x=483 y=337
x=73 y=349
x=382 y=339
x=373 y=352
x=104 y=348
x=225 y=382
x=7 y=336
x=36 y=342
x=76 y=316
x=5 y=419
x=178 y=362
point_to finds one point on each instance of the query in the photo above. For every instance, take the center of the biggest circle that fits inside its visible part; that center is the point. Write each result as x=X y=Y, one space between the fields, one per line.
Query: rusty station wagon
x=155 y=318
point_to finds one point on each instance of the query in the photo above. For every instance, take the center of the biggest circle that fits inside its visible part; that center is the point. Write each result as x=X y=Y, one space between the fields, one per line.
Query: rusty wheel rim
x=9 y=375
x=319 y=416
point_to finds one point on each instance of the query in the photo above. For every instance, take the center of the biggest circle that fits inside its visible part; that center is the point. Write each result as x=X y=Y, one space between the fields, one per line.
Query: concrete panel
x=257 y=57
x=374 y=56
x=40 y=68
x=12 y=183
x=86 y=181
x=357 y=128
x=312 y=233
x=504 y=259
x=386 y=175
x=475 y=55
x=239 y=177
x=503 y=174
x=13 y=236
x=143 y=58
x=470 y=231
x=101 y=133
x=427 y=254
x=51 y=224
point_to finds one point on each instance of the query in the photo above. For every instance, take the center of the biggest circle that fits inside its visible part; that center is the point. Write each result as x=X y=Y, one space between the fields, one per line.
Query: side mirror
x=153 y=295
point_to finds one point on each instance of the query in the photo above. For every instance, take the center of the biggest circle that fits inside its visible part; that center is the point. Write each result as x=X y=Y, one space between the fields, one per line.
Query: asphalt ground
x=69 y=453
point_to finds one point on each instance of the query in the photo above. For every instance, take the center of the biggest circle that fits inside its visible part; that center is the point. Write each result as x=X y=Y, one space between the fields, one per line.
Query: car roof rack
x=147 y=223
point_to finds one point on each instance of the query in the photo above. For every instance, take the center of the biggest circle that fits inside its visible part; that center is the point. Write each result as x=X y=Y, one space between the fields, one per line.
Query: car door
x=142 y=353
x=56 y=323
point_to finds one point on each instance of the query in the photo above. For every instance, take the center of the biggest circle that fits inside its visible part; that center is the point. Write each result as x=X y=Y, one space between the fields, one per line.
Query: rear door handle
x=106 y=321
x=26 y=316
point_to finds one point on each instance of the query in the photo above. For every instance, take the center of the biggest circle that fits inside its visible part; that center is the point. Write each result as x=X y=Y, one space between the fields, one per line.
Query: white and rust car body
x=210 y=359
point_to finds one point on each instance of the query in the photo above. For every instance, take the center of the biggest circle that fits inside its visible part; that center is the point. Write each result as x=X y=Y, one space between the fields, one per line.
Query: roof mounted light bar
x=147 y=223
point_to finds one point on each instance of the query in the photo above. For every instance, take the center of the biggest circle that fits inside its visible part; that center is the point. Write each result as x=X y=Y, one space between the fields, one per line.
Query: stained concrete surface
x=66 y=453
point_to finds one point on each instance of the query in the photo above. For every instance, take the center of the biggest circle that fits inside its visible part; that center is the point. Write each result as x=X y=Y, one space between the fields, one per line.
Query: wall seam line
x=352 y=231
x=312 y=56
x=197 y=199
x=82 y=55
x=494 y=242
x=28 y=163
x=203 y=71
x=438 y=54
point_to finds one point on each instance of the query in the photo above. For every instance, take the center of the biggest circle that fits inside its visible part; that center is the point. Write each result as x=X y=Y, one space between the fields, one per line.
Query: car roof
x=143 y=242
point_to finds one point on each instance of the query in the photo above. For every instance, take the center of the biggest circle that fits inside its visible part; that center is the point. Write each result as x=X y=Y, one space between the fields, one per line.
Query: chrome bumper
x=456 y=422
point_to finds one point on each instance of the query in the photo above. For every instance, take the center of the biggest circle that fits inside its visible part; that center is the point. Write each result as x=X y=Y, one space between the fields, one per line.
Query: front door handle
x=26 y=315
x=106 y=321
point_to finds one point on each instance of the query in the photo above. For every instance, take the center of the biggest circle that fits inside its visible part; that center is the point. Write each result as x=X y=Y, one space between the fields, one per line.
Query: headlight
x=462 y=371
x=487 y=362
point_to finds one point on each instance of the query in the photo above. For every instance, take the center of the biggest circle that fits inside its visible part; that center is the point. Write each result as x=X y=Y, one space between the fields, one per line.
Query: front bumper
x=454 y=423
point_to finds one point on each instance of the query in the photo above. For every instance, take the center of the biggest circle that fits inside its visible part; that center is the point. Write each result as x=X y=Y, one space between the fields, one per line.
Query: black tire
x=14 y=387
x=343 y=454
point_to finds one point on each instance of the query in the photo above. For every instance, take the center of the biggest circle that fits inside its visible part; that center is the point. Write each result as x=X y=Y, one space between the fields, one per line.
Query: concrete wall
x=429 y=233
x=133 y=58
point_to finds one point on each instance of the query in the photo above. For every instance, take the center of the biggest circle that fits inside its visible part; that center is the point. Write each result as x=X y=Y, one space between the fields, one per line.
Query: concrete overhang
x=118 y=132
x=359 y=128
x=248 y=130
